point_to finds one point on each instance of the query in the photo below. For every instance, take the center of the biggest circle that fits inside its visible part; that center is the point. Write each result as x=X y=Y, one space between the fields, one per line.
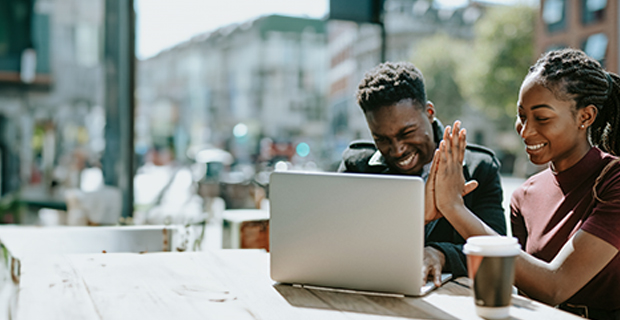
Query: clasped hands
x=446 y=186
x=444 y=191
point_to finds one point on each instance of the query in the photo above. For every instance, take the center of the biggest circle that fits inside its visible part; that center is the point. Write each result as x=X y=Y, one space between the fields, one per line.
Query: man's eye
x=541 y=119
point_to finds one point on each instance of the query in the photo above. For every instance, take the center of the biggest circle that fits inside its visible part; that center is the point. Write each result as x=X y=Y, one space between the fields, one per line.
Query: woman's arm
x=581 y=258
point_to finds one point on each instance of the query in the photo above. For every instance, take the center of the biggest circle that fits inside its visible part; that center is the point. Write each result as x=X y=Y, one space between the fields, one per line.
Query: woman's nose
x=523 y=128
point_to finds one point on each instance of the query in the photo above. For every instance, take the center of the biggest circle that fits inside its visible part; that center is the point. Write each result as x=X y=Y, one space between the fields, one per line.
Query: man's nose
x=398 y=149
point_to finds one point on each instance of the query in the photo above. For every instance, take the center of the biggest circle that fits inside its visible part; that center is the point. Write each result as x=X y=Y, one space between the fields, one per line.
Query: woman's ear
x=587 y=116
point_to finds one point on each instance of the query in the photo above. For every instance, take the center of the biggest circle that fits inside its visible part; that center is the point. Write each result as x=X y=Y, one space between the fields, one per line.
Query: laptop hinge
x=368 y=293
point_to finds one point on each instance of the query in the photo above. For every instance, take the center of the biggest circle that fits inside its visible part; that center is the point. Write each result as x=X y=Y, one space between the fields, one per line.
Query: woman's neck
x=568 y=162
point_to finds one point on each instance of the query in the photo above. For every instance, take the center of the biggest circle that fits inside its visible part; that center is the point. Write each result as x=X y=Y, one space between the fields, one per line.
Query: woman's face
x=549 y=127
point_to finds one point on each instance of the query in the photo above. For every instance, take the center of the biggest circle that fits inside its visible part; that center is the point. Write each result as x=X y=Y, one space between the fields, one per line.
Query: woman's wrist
x=451 y=208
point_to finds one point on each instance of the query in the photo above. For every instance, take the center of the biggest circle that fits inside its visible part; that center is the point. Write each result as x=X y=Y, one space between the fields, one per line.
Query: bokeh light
x=303 y=149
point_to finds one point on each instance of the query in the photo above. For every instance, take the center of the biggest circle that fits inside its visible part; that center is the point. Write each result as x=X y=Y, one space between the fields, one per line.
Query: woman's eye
x=541 y=119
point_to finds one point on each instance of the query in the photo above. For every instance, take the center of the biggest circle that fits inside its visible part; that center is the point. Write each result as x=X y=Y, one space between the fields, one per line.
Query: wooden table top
x=223 y=284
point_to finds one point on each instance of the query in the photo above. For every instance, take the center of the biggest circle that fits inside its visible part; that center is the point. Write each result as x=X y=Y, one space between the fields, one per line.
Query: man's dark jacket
x=485 y=201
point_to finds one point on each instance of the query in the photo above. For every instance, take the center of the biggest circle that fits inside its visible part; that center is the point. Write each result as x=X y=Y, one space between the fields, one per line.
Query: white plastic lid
x=492 y=246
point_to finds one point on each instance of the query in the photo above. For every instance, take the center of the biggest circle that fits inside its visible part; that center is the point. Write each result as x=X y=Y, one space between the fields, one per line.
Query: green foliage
x=502 y=53
x=439 y=66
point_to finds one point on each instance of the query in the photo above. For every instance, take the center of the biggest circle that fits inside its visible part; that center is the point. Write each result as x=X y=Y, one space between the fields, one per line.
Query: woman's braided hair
x=388 y=84
x=571 y=74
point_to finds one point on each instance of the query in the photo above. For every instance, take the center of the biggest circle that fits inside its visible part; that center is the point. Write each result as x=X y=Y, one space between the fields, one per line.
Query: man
x=406 y=133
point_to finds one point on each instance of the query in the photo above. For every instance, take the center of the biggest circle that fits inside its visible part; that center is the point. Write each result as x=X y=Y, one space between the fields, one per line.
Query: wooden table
x=224 y=284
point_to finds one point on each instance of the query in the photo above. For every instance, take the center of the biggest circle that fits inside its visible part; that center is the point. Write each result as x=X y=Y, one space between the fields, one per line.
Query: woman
x=567 y=218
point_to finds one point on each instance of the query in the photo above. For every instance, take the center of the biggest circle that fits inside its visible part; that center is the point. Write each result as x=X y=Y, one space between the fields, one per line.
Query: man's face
x=403 y=133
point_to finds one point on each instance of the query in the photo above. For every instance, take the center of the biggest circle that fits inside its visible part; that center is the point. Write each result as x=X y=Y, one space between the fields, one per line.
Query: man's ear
x=430 y=111
x=587 y=115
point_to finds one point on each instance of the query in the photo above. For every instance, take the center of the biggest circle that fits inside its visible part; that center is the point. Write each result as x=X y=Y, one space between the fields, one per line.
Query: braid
x=608 y=120
x=389 y=83
x=571 y=74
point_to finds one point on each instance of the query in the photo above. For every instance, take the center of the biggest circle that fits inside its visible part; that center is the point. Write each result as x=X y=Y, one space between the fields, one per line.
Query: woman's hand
x=449 y=182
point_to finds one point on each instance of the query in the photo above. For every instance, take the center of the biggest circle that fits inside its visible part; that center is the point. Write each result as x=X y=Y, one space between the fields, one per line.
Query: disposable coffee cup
x=490 y=264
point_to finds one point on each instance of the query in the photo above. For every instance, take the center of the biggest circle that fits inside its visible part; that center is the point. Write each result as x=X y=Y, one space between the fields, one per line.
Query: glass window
x=555 y=47
x=596 y=47
x=592 y=10
x=554 y=14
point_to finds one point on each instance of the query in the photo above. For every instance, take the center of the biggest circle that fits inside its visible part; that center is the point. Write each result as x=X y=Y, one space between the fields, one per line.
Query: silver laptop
x=344 y=231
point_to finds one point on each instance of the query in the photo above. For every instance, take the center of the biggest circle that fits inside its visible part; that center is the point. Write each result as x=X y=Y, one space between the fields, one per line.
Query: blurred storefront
x=53 y=101
x=230 y=88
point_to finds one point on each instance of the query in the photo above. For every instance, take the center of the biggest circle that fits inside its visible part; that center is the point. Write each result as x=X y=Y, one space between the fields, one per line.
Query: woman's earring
x=582 y=126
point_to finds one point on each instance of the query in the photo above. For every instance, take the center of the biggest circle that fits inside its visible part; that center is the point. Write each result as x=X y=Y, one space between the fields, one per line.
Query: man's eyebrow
x=408 y=127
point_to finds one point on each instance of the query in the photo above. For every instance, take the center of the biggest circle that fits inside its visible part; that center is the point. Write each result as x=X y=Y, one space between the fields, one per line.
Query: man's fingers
x=437 y=275
x=434 y=163
x=469 y=187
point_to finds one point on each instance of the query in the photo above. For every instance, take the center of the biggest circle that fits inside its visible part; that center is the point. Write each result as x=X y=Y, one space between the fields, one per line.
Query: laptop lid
x=349 y=231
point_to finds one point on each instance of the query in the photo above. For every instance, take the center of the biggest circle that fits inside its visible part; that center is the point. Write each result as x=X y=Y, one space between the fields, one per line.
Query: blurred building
x=355 y=48
x=590 y=25
x=50 y=102
x=232 y=87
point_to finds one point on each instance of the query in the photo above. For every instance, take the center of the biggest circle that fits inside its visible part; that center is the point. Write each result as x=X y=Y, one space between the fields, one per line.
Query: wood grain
x=223 y=284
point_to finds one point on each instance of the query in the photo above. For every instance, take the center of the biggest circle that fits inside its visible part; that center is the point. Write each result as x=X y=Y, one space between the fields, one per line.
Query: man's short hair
x=388 y=84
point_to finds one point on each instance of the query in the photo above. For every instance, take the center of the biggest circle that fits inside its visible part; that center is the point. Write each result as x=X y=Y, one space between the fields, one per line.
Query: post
x=383 y=41
x=119 y=61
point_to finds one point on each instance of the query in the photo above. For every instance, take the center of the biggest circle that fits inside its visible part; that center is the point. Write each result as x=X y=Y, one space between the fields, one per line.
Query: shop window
x=22 y=28
x=554 y=15
x=596 y=47
x=593 y=10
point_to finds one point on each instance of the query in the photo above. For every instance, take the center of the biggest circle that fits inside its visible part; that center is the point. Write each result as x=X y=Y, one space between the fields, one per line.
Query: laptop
x=350 y=232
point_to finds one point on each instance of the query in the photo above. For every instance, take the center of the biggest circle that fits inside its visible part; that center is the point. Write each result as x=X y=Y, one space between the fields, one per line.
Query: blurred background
x=170 y=112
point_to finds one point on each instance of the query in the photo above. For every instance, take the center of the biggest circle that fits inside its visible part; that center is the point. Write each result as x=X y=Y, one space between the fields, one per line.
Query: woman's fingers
x=463 y=144
x=455 y=140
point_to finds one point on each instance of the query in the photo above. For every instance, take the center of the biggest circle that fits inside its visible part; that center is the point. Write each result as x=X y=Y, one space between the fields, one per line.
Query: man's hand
x=430 y=207
x=434 y=261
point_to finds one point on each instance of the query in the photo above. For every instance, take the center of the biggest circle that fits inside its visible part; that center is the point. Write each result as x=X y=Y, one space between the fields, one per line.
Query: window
x=592 y=10
x=596 y=47
x=554 y=15
x=21 y=27
x=556 y=47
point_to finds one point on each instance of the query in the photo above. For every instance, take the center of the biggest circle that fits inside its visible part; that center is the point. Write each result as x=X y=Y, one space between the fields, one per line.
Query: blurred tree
x=439 y=67
x=503 y=50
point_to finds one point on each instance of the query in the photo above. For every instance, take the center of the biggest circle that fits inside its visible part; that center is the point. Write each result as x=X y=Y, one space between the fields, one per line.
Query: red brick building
x=590 y=25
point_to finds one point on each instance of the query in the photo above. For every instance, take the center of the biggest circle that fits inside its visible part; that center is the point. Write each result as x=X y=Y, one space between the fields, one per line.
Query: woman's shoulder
x=610 y=173
x=538 y=180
